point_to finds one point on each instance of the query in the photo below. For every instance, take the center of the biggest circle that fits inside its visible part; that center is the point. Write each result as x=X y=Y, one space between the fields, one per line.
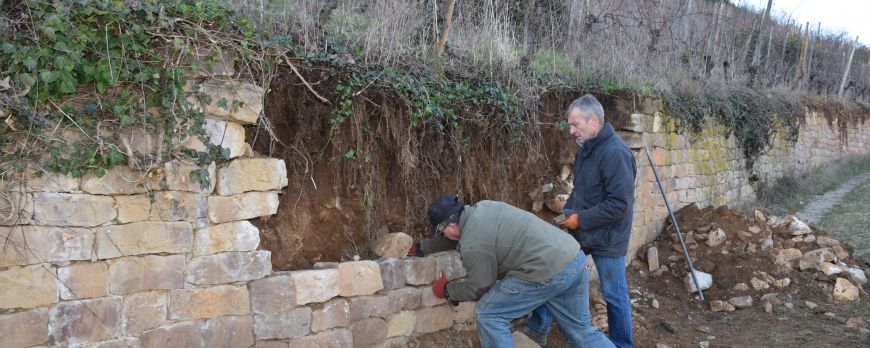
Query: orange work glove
x=569 y=223
x=440 y=285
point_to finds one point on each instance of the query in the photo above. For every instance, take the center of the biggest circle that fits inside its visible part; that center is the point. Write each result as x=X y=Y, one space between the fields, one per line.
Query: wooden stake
x=443 y=40
x=846 y=71
x=797 y=75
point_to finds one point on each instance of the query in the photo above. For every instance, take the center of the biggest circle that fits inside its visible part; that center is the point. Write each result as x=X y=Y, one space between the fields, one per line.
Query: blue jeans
x=611 y=274
x=566 y=295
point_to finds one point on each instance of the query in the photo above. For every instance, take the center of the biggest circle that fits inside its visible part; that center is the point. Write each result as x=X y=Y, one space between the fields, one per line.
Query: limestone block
x=44 y=244
x=359 y=278
x=798 y=228
x=205 y=62
x=230 y=332
x=331 y=314
x=251 y=174
x=338 y=338
x=813 y=257
x=652 y=259
x=229 y=267
x=227 y=135
x=392 y=273
x=242 y=206
x=178 y=177
x=463 y=312
x=20 y=208
x=123 y=342
x=144 y=311
x=716 y=237
x=368 y=332
x=826 y=242
x=187 y=304
x=639 y=123
x=120 y=180
x=393 y=245
x=149 y=237
x=302 y=342
x=62 y=209
x=787 y=255
x=38 y=181
x=632 y=139
x=405 y=298
x=133 y=208
x=401 y=324
x=273 y=295
x=179 y=206
x=231 y=236
x=844 y=291
x=704 y=279
x=186 y=334
x=79 y=322
x=431 y=319
x=105 y=248
x=523 y=341
x=831 y=269
x=450 y=263
x=283 y=325
x=83 y=280
x=24 y=329
x=134 y=274
x=429 y=299
x=233 y=101
x=315 y=285
x=369 y=306
x=419 y=270
x=741 y=301
x=27 y=287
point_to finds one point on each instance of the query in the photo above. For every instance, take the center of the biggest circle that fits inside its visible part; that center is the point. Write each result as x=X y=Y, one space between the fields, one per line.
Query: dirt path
x=816 y=210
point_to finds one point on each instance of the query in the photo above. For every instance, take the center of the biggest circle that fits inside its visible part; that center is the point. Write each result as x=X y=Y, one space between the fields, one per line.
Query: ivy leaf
x=225 y=153
x=47 y=76
x=223 y=104
x=7 y=47
x=29 y=62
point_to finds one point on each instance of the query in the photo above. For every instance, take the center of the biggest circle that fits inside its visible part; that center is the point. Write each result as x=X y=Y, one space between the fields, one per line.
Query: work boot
x=537 y=337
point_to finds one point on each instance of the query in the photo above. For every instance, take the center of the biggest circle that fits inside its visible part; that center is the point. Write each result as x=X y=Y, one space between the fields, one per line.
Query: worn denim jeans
x=566 y=295
x=611 y=275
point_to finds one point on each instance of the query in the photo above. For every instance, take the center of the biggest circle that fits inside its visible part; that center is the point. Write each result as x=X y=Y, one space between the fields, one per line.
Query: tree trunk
x=443 y=40
x=533 y=16
x=848 y=66
x=797 y=75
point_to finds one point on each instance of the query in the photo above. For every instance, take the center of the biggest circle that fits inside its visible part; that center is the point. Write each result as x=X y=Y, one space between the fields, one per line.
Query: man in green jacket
x=515 y=262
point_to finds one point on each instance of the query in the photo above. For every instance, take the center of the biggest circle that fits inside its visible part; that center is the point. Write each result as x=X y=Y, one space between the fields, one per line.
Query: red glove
x=415 y=250
x=570 y=223
x=439 y=285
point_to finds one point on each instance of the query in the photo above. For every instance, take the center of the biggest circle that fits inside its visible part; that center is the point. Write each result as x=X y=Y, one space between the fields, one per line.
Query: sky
x=835 y=15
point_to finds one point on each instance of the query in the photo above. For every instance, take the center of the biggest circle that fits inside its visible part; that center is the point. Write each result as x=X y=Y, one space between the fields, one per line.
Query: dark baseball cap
x=441 y=209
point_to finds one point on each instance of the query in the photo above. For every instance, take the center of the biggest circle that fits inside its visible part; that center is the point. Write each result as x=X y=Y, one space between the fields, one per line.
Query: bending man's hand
x=439 y=285
x=570 y=222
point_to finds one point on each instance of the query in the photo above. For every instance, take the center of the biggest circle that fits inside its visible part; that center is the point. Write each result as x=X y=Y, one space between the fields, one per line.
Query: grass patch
x=850 y=220
x=789 y=194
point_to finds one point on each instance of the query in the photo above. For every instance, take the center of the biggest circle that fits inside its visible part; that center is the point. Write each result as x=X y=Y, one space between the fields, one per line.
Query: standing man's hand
x=571 y=222
x=440 y=285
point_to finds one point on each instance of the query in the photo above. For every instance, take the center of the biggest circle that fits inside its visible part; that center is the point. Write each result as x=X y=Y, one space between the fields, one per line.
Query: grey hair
x=588 y=106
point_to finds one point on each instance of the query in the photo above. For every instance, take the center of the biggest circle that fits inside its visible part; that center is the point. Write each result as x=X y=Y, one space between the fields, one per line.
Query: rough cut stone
x=401 y=324
x=44 y=244
x=242 y=206
x=178 y=206
x=759 y=284
x=813 y=257
x=523 y=341
x=652 y=259
x=243 y=175
x=705 y=280
x=227 y=135
x=856 y=275
x=741 y=287
x=368 y=332
x=243 y=101
x=450 y=263
x=273 y=295
x=359 y=278
x=301 y=342
x=741 y=301
x=787 y=255
x=186 y=334
x=231 y=236
x=134 y=274
x=187 y=304
x=338 y=338
x=716 y=237
x=405 y=298
x=431 y=319
x=830 y=268
x=150 y=237
x=123 y=342
x=781 y=283
x=841 y=252
x=419 y=270
x=144 y=311
x=393 y=245
x=38 y=181
x=844 y=291
x=229 y=267
x=335 y=313
x=463 y=312
x=315 y=285
x=27 y=287
x=178 y=177
x=716 y=306
x=429 y=298
x=283 y=325
x=133 y=208
x=83 y=280
x=24 y=329
x=855 y=322
x=798 y=228
x=21 y=209
x=370 y=306
x=62 y=209
x=230 y=332
x=826 y=242
x=120 y=180
x=79 y=322
x=392 y=273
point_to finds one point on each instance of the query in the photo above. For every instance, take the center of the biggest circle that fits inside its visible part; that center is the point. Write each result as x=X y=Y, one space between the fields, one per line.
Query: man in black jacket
x=599 y=213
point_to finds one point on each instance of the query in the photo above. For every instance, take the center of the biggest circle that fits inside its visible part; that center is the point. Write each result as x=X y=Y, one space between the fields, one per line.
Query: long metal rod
x=671 y=211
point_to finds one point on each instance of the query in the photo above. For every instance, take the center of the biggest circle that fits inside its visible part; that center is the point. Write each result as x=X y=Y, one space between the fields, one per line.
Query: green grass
x=850 y=220
x=789 y=194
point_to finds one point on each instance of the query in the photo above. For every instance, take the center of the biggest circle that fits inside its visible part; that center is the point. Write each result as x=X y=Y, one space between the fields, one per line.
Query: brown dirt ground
x=685 y=314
